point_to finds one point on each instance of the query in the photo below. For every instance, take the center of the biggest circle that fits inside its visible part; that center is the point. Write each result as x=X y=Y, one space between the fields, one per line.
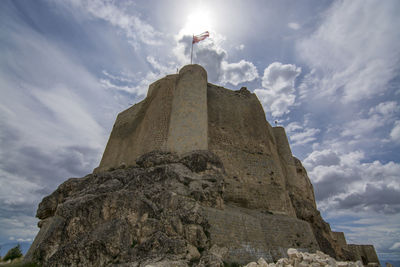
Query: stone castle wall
x=172 y=117
x=364 y=253
x=240 y=135
x=250 y=235
x=141 y=128
x=188 y=128
x=340 y=239
x=182 y=113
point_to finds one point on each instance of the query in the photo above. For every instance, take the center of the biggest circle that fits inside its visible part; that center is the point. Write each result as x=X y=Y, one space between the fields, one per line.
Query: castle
x=183 y=112
x=192 y=167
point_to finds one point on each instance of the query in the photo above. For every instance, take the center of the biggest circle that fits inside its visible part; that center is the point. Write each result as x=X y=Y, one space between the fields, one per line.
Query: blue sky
x=328 y=71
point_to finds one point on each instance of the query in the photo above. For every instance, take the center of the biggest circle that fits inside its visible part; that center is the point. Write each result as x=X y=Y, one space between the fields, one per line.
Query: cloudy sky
x=328 y=71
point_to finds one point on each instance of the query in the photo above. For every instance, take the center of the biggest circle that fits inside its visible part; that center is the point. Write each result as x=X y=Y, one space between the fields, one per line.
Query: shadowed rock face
x=150 y=213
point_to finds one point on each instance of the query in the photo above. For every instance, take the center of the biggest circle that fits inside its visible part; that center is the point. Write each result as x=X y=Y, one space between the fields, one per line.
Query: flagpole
x=191 y=51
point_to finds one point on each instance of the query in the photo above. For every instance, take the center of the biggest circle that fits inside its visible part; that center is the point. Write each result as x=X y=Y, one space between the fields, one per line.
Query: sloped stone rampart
x=251 y=234
x=364 y=253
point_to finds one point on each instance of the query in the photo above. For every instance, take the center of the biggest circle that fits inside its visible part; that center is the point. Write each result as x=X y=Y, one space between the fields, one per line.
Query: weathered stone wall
x=296 y=176
x=251 y=234
x=240 y=135
x=302 y=186
x=183 y=113
x=172 y=117
x=364 y=253
x=283 y=146
x=339 y=238
x=188 y=128
x=141 y=128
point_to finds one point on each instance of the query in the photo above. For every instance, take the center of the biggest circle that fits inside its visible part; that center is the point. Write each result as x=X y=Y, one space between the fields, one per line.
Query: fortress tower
x=182 y=113
x=193 y=175
x=269 y=199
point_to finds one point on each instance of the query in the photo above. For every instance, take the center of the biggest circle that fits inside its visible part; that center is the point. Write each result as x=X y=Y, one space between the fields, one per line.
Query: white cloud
x=385 y=108
x=19 y=227
x=53 y=126
x=235 y=73
x=162 y=69
x=354 y=53
x=395 y=246
x=362 y=127
x=71 y=113
x=240 y=47
x=134 y=28
x=48 y=112
x=292 y=127
x=352 y=158
x=138 y=84
x=373 y=125
x=294 y=25
x=304 y=137
x=324 y=157
x=342 y=181
x=280 y=77
x=210 y=54
x=395 y=133
x=17 y=191
x=137 y=90
x=120 y=78
x=278 y=93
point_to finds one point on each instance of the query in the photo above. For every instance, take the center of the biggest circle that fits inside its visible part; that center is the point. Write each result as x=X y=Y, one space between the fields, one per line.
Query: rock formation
x=192 y=175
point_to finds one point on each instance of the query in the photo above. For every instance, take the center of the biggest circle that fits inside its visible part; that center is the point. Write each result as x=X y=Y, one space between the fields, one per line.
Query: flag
x=200 y=37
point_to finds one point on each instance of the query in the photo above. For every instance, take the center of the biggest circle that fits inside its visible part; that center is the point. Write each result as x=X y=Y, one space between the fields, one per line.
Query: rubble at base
x=305 y=259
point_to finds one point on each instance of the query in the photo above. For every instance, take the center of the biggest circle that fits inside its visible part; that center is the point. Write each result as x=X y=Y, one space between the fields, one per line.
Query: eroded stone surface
x=140 y=216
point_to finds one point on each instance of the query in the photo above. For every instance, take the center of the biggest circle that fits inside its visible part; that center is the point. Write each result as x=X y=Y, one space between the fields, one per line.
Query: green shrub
x=13 y=253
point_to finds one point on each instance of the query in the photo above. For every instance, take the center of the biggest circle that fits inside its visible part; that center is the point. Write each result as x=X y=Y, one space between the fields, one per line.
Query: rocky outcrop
x=151 y=214
x=168 y=210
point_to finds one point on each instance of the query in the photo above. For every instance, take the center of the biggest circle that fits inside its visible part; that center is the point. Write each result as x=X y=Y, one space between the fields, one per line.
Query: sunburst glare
x=198 y=22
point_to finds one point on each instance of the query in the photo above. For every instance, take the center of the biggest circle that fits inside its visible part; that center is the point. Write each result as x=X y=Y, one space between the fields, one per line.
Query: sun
x=198 y=22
